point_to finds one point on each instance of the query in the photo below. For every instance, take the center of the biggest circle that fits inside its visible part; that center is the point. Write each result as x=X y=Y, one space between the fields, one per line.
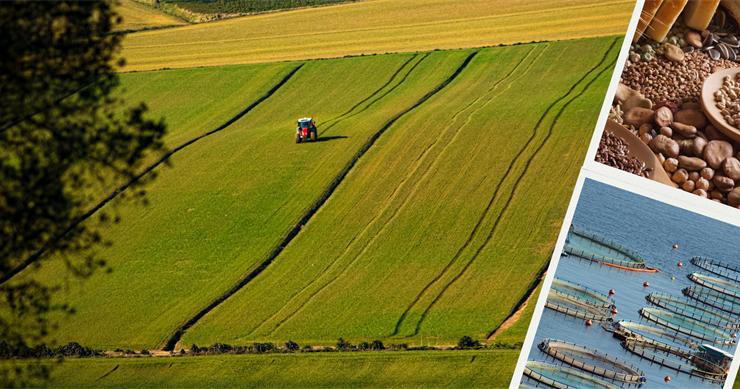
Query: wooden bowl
x=711 y=85
x=641 y=151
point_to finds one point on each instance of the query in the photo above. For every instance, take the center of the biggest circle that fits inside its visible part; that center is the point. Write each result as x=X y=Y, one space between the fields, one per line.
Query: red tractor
x=305 y=128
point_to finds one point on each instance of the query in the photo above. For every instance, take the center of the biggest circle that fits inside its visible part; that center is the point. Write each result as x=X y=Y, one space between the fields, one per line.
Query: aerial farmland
x=450 y=137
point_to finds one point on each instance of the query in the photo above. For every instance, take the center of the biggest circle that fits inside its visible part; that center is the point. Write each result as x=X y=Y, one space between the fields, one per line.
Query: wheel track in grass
x=344 y=115
x=418 y=164
x=290 y=235
x=35 y=256
x=494 y=197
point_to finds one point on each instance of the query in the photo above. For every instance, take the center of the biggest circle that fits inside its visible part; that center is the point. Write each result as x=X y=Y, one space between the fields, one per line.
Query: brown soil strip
x=511 y=320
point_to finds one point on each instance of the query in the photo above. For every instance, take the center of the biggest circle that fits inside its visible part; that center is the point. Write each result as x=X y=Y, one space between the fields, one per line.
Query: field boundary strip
x=35 y=256
x=418 y=164
x=170 y=345
x=493 y=200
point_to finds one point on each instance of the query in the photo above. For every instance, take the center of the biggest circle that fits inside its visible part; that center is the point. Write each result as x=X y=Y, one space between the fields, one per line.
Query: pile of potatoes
x=697 y=157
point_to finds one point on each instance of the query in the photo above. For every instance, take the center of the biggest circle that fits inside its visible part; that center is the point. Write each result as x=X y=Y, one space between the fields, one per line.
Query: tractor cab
x=306 y=129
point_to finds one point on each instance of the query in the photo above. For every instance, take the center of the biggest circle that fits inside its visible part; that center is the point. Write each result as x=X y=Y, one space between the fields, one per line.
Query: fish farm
x=593 y=361
x=627 y=329
x=576 y=291
x=693 y=310
x=729 y=288
x=730 y=272
x=558 y=376
x=575 y=307
x=675 y=358
x=691 y=335
x=686 y=325
x=595 y=248
x=713 y=299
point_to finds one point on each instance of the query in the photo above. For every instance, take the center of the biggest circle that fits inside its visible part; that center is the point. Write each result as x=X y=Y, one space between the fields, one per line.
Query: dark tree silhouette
x=65 y=142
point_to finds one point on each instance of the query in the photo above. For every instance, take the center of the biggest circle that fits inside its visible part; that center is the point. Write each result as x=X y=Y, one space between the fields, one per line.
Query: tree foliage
x=65 y=142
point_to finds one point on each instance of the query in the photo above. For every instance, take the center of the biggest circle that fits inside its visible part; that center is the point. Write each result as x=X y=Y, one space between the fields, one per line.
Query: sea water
x=649 y=228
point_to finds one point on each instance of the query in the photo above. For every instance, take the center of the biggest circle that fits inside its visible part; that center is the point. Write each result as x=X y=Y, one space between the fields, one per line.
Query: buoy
x=588 y=322
x=673 y=278
x=646 y=284
x=675 y=246
x=611 y=291
x=680 y=264
x=667 y=379
x=614 y=311
x=734 y=335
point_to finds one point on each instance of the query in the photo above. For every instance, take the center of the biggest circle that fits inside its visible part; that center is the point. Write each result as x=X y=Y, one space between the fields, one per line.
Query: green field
x=456 y=197
x=419 y=239
x=373 y=27
x=403 y=369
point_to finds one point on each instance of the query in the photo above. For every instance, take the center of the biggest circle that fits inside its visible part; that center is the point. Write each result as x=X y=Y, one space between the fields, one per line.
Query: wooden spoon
x=641 y=151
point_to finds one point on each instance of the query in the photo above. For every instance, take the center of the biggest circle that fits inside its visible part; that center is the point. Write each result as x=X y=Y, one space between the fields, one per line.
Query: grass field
x=418 y=240
x=370 y=27
x=232 y=196
x=137 y=16
x=404 y=369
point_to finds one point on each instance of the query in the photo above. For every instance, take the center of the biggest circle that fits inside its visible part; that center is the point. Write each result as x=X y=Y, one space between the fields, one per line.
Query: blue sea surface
x=650 y=228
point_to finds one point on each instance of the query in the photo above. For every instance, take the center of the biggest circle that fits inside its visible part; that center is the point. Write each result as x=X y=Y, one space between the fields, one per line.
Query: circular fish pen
x=562 y=377
x=597 y=249
x=587 y=295
x=599 y=363
x=715 y=283
x=714 y=299
x=687 y=326
x=692 y=310
x=716 y=267
x=675 y=358
x=570 y=305
x=629 y=329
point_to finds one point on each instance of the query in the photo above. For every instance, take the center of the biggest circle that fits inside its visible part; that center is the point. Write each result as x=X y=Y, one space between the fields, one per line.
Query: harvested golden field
x=138 y=16
x=373 y=27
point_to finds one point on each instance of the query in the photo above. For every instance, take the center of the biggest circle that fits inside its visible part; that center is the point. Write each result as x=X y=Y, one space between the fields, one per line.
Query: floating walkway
x=582 y=293
x=595 y=248
x=714 y=299
x=562 y=377
x=569 y=305
x=676 y=359
x=715 y=283
x=687 y=326
x=593 y=361
x=725 y=270
x=628 y=329
x=693 y=310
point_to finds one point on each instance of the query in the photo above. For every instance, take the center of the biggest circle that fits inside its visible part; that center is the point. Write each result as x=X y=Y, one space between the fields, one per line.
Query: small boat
x=687 y=326
x=624 y=329
x=595 y=248
x=571 y=289
x=725 y=270
x=693 y=310
x=694 y=364
x=714 y=299
x=593 y=361
x=718 y=284
x=576 y=307
x=558 y=376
